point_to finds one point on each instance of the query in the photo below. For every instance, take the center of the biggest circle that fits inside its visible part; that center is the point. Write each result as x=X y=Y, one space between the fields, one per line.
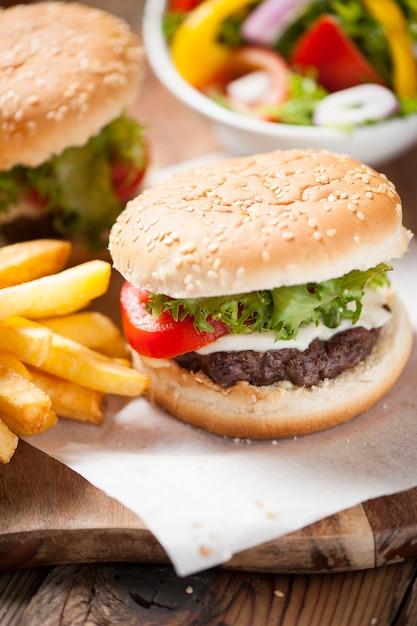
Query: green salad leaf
x=282 y=310
x=298 y=109
x=76 y=185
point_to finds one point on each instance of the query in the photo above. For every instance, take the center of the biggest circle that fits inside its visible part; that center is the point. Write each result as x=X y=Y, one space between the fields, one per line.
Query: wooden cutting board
x=51 y=515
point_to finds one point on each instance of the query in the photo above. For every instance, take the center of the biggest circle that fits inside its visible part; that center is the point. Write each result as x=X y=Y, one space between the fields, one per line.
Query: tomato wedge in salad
x=183 y=5
x=162 y=336
x=333 y=55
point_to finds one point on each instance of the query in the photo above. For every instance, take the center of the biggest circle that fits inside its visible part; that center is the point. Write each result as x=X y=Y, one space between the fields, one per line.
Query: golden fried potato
x=74 y=362
x=58 y=294
x=70 y=400
x=27 y=340
x=8 y=443
x=29 y=260
x=11 y=362
x=92 y=329
x=24 y=408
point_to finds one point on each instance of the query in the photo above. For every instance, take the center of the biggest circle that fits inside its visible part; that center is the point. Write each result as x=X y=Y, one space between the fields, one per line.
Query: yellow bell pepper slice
x=195 y=51
x=390 y=16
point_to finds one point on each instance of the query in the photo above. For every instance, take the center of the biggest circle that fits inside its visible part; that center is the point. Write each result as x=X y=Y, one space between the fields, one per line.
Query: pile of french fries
x=56 y=359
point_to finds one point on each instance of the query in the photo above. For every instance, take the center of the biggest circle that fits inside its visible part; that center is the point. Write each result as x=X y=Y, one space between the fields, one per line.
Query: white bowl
x=240 y=135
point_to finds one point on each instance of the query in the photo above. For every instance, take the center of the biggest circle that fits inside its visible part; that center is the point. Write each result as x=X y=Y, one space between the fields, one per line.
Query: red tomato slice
x=183 y=5
x=126 y=180
x=326 y=48
x=160 y=337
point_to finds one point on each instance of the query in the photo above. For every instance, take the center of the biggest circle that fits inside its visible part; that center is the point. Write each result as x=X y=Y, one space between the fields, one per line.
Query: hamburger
x=257 y=293
x=70 y=155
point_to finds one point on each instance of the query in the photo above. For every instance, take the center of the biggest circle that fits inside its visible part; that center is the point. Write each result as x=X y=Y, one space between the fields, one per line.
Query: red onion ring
x=268 y=20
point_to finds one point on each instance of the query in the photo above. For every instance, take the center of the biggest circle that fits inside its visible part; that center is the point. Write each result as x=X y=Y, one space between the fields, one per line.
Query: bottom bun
x=282 y=409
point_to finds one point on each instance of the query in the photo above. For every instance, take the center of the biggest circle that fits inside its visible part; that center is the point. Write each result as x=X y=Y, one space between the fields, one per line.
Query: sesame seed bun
x=258 y=222
x=67 y=71
x=282 y=410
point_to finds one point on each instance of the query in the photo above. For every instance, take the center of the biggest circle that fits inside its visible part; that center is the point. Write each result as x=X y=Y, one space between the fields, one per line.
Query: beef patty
x=322 y=359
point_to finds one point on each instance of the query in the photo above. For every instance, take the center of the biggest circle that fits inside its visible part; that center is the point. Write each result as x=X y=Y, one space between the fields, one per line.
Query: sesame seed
x=188 y=248
x=331 y=232
x=265 y=255
x=287 y=235
x=317 y=235
x=33 y=99
x=360 y=215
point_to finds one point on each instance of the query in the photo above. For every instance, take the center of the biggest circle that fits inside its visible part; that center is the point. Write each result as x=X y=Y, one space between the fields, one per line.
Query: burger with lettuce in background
x=70 y=155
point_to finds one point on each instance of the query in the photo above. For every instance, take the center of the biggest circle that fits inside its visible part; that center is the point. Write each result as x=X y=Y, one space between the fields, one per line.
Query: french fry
x=92 y=329
x=11 y=362
x=70 y=400
x=80 y=365
x=8 y=443
x=58 y=294
x=55 y=358
x=28 y=260
x=27 y=340
x=24 y=408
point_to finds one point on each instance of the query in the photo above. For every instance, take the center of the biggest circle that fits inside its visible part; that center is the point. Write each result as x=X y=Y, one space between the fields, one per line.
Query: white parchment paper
x=206 y=497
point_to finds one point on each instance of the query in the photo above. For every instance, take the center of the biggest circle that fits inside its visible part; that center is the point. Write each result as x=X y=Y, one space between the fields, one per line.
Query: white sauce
x=373 y=315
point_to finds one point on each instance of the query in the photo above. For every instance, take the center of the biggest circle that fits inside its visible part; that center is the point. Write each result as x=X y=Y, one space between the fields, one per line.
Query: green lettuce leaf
x=282 y=310
x=299 y=108
x=76 y=185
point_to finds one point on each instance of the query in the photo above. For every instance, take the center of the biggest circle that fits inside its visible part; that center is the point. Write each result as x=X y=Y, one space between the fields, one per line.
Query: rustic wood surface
x=54 y=516
x=139 y=592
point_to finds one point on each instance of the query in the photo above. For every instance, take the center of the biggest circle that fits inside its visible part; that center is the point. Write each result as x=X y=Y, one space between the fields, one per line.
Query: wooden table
x=133 y=593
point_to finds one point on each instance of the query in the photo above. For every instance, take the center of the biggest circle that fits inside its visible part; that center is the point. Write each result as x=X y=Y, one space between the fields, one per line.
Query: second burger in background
x=70 y=156
x=258 y=298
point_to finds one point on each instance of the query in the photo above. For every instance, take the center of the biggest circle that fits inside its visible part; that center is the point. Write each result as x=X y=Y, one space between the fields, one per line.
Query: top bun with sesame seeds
x=256 y=295
x=258 y=222
x=67 y=72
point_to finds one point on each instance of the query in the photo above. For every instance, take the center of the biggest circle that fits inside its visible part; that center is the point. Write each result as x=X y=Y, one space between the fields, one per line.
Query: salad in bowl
x=292 y=73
